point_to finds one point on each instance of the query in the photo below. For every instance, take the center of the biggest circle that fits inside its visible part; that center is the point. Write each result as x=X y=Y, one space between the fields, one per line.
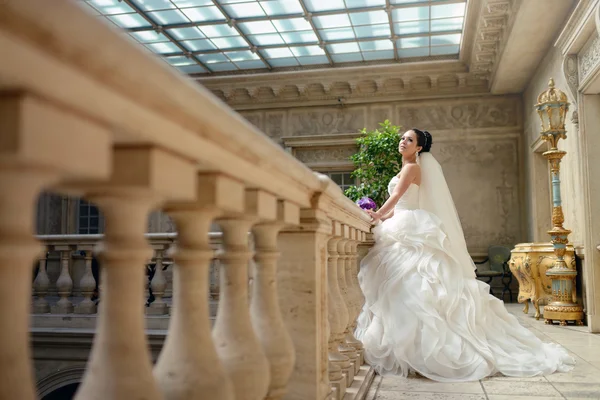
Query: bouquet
x=366 y=203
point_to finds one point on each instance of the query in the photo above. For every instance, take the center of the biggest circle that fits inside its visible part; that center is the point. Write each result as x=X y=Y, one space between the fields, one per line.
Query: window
x=89 y=221
x=342 y=178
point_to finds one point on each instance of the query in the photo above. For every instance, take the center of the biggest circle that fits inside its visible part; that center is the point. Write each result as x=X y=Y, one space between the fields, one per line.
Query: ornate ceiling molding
x=346 y=86
x=494 y=22
x=578 y=27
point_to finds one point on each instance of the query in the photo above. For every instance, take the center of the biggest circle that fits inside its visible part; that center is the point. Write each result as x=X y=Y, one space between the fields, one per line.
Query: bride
x=425 y=311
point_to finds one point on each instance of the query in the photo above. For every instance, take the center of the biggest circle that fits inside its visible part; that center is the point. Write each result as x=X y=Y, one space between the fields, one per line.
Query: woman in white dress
x=425 y=311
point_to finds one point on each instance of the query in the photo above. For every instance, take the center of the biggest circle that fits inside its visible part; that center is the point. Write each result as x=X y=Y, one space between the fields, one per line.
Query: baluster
x=237 y=344
x=158 y=286
x=119 y=366
x=354 y=293
x=30 y=161
x=302 y=279
x=188 y=366
x=265 y=311
x=41 y=284
x=87 y=284
x=344 y=348
x=338 y=315
x=64 y=283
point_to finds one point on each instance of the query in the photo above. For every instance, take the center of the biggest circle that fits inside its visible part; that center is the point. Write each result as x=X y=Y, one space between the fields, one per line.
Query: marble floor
x=582 y=383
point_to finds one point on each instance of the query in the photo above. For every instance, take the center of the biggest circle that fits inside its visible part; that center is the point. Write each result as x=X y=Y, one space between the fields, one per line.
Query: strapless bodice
x=410 y=198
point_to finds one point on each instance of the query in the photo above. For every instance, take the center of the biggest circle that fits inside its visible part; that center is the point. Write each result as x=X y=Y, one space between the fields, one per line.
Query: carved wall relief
x=476 y=114
x=326 y=121
x=330 y=154
x=589 y=57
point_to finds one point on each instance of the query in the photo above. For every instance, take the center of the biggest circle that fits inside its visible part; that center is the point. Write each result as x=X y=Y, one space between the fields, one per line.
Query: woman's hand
x=375 y=216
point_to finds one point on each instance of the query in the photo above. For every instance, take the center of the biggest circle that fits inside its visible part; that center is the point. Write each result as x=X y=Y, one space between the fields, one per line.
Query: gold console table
x=528 y=263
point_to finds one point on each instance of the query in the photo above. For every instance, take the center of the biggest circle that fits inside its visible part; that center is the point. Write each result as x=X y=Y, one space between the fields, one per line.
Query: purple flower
x=366 y=203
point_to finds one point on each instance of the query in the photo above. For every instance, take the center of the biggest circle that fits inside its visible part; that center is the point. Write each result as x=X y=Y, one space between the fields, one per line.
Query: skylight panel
x=252 y=64
x=369 y=17
x=257 y=27
x=149 y=37
x=444 y=50
x=153 y=5
x=372 y=31
x=349 y=47
x=324 y=5
x=191 y=3
x=220 y=67
x=364 y=3
x=446 y=39
x=292 y=24
x=179 y=60
x=411 y=27
x=418 y=41
x=313 y=60
x=198 y=45
x=332 y=21
x=184 y=33
x=163 y=47
x=219 y=30
x=129 y=20
x=410 y=14
x=299 y=37
x=244 y=10
x=245 y=55
x=448 y=10
x=300 y=51
x=336 y=34
x=446 y=24
x=110 y=7
x=191 y=69
x=201 y=14
x=376 y=45
x=168 y=17
x=229 y=42
x=212 y=58
x=283 y=62
x=281 y=7
x=280 y=52
x=269 y=39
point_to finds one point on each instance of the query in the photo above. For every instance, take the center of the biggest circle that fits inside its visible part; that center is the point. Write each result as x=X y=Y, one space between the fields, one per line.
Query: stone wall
x=478 y=141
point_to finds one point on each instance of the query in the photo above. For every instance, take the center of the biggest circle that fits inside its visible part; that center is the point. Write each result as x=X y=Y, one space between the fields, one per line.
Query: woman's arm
x=388 y=215
x=407 y=176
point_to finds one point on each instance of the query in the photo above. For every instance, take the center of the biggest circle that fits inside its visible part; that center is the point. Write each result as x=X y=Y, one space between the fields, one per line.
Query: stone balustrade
x=114 y=125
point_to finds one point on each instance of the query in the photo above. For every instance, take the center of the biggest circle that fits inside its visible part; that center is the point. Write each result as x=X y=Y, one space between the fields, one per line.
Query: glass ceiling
x=224 y=36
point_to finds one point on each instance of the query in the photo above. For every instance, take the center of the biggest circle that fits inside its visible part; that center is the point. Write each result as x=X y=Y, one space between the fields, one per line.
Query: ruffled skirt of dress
x=423 y=313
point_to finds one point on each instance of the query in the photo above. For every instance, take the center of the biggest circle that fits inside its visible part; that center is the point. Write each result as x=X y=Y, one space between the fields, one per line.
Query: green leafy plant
x=376 y=162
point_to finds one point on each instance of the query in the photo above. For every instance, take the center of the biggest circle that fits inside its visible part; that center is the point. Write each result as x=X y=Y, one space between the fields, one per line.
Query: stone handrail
x=114 y=124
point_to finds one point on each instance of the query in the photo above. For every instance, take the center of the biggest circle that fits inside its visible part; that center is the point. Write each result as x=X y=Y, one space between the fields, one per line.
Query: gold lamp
x=552 y=108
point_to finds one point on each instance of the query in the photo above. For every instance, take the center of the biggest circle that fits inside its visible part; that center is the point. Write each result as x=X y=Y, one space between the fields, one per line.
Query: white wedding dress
x=424 y=313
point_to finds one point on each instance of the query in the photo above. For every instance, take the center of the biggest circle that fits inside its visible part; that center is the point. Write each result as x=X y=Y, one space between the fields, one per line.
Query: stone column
x=88 y=284
x=302 y=278
x=343 y=260
x=237 y=344
x=188 y=366
x=354 y=292
x=158 y=286
x=119 y=366
x=264 y=308
x=41 y=284
x=338 y=316
x=64 y=283
x=39 y=145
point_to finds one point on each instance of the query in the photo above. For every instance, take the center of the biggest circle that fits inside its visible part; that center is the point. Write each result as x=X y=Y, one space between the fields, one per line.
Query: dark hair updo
x=424 y=140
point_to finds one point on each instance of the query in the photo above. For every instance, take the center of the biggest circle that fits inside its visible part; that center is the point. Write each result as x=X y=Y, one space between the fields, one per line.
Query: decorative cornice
x=346 y=86
x=490 y=36
x=579 y=24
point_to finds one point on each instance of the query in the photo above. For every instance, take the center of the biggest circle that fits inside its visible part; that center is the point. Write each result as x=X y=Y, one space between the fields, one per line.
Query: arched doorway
x=66 y=392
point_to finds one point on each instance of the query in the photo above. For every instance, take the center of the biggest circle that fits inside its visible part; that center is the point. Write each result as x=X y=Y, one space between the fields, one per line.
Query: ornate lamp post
x=552 y=108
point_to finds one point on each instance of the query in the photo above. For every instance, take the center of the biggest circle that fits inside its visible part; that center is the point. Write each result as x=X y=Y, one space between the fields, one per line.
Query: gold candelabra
x=552 y=108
